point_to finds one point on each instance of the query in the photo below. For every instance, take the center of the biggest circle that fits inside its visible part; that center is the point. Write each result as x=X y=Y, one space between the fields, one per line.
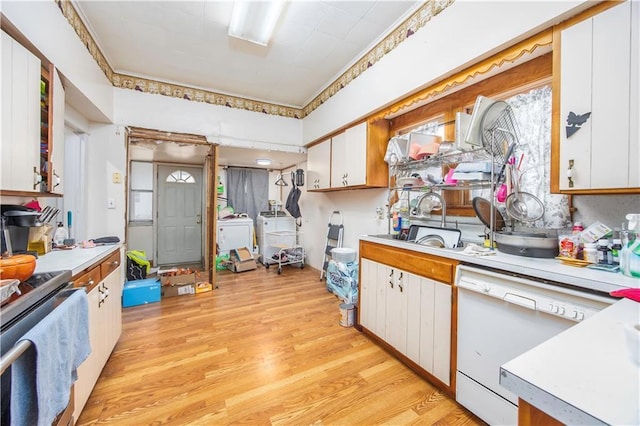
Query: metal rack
x=279 y=246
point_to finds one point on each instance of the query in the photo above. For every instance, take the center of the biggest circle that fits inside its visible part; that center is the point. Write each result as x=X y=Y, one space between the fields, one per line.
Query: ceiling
x=186 y=42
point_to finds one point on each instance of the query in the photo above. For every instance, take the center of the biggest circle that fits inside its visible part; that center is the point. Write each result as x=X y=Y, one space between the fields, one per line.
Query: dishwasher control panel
x=542 y=297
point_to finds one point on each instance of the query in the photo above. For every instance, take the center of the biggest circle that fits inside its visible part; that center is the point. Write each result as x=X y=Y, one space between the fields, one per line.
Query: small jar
x=590 y=252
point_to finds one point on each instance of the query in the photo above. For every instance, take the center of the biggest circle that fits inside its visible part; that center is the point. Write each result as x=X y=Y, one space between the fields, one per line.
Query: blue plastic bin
x=140 y=292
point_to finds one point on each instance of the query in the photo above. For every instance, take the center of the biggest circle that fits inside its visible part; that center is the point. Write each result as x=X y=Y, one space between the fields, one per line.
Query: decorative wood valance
x=510 y=55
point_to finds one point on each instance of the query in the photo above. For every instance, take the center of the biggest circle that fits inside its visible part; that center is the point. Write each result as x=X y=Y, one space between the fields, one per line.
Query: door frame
x=210 y=194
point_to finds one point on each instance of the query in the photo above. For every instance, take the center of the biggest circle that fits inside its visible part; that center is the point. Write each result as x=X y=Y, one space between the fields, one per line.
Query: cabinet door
x=356 y=155
x=90 y=369
x=442 y=332
x=367 y=297
x=339 y=160
x=413 y=285
x=634 y=91
x=427 y=325
x=396 y=307
x=112 y=286
x=56 y=138
x=349 y=157
x=382 y=283
x=20 y=116
x=318 y=165
x=596 y=77
x=610 y=98
x=575 y=97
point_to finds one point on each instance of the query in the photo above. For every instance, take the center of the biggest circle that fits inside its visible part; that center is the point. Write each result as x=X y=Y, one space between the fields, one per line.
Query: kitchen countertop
x=542 y=269
x=75 y=260
x=560 y=376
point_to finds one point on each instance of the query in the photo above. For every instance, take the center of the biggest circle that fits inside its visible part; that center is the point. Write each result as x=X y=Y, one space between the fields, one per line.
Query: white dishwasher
x=499 y=318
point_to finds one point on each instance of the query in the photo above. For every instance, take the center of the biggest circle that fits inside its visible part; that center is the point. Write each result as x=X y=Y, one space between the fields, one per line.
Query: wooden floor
x=260 y=349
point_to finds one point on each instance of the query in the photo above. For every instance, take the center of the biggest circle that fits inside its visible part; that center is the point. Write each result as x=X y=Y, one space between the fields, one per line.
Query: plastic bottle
x=590 y=252
x=616 y=248
x=577 y=228
x=604 y=253
x=60 y=235
x=396 y=224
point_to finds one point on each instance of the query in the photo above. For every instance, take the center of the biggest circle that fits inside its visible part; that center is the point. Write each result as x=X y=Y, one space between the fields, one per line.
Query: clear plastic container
x=343 y=254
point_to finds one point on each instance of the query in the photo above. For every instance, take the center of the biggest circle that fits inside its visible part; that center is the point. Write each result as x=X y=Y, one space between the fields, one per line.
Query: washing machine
x=234 y=233
x=274 y=221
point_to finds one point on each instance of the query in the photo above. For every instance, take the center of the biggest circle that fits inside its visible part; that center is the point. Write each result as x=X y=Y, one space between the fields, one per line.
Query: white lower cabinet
x=105 y=327
x=409 y=312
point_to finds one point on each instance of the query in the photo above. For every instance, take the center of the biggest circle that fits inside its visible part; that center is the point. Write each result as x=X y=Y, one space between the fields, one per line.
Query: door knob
x=198 y=218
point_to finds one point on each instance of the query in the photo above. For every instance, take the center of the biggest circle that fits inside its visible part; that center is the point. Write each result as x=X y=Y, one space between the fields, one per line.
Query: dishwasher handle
x=517 y=299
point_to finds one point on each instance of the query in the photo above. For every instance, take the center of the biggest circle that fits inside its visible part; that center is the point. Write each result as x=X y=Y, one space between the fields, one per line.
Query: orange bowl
x=19 y=267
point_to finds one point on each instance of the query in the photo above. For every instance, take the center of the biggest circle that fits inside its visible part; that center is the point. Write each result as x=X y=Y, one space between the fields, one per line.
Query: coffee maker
x=14 y=235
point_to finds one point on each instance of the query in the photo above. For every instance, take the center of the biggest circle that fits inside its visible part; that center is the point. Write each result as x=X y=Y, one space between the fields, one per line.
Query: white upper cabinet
x=355 y=159
x=20 y=117
x=349 y=157
x=598 y=129
x=319 y=165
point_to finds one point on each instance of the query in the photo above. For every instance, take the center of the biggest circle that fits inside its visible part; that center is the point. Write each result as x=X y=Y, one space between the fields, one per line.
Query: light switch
x=111 y=203
x=116 y=177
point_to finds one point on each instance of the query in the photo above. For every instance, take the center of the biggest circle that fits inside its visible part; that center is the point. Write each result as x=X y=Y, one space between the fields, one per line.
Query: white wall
x=106 y=155
x=220 y=124
x=456 y=38
x=45 y=26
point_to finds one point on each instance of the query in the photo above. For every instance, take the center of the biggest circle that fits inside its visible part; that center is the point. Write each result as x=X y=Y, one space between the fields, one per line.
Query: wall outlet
x=116 y=177
x=111 y=203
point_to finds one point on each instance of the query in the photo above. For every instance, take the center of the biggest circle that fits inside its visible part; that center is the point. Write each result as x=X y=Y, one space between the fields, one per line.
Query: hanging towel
x=59 y=344
x=629 y=293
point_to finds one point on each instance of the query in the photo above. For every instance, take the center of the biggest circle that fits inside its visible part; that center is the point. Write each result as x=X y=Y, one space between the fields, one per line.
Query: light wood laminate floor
x=260 y=349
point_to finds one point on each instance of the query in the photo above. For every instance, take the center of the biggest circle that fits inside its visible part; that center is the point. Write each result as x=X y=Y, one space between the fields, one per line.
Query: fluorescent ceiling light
x=263 y=162
x=254 y=21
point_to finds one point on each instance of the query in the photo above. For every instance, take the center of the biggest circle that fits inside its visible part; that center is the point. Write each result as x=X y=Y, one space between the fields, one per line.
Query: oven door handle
x=13 y=354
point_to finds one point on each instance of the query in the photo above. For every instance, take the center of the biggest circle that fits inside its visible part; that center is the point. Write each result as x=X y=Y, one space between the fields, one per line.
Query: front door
x=179 y=215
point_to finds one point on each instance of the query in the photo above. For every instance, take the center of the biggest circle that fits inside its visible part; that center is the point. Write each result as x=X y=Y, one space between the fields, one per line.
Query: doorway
x=179 y=215
x=172 y=198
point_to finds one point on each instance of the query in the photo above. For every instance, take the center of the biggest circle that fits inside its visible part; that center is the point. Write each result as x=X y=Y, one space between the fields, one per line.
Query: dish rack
x=283 y=249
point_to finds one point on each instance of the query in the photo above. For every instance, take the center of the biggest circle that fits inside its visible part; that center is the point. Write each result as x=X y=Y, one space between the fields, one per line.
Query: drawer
x=110 y=264
x=88 y=279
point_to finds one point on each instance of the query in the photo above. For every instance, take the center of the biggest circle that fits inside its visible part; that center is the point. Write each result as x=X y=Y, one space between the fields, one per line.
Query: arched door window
x=180 y=176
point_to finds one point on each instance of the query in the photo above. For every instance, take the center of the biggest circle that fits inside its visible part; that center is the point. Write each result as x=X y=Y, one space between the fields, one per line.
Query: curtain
x=248 y=190
x=533 y=114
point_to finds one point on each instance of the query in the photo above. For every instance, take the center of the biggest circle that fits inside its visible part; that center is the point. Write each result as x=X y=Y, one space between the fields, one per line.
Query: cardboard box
x=140 y=292
x=178 y=279
x=241 y=259
x=203 y=287
x=178 y=290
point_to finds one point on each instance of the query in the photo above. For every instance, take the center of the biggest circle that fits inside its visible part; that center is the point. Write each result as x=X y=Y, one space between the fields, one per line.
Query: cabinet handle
x=391 y=279
x=115 y=262
x=570 y=173
x=57 y=179
x=400 y=287
x=37 y=178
